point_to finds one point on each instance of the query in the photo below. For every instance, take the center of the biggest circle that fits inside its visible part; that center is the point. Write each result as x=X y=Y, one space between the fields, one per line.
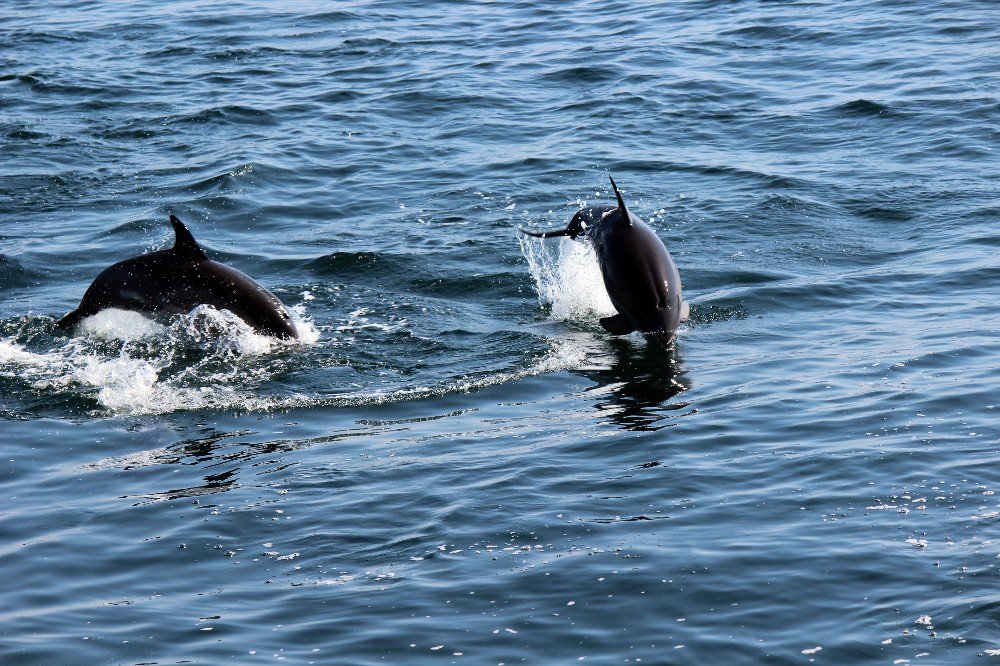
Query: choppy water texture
x=458 y=464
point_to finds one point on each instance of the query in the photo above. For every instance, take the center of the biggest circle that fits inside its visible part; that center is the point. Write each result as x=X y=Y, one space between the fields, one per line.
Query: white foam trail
x=563 y=355
x=142 y=377
x=132 y=365
x=567 y=277
x=358 y=321
x=125 y=385
x=42 y=371
x=211 y=359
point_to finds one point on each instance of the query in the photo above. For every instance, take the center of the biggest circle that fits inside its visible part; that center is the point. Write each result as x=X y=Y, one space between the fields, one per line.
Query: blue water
x=458 y=464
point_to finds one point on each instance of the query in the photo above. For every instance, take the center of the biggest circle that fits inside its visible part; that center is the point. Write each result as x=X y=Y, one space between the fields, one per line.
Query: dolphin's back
x=134 y=284
x=177 y=281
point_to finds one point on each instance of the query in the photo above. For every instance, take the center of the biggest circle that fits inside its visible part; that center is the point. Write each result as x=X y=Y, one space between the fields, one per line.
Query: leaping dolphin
x=176 y=281
x=641 y=278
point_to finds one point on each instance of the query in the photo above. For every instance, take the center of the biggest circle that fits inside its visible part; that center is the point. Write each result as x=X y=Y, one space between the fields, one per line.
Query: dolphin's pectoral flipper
x=685 y=310
x=617 y=325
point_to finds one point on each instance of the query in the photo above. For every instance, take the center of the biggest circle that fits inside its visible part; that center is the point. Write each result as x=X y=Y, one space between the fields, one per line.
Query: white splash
x=114 y=324
x=132 y=365
x=308 y=333
x=13 y=353
x=567 y=277
x=124 y=385
x=222 y=329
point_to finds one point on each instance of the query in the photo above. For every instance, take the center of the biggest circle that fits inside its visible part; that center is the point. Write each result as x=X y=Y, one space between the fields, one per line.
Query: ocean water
x=457 y=464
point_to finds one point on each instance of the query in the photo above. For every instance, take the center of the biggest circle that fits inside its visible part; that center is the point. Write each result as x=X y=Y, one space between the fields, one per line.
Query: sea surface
x=457 y=464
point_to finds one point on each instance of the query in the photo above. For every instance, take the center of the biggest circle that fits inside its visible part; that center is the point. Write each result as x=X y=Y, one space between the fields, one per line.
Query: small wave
x=170 y=51
x=44 y=37
x=353 y=47
x=775 y=181
x=13 y=273
x=226 y=181
x=582 y=74
x=369 y=43
x=26 y=135
x=788 y=202
x=232 y=114
x=886 y=213
x=338 y=96
x=344 y=265
x=49 y=83
x=497 y=284
x=130 y=133
x=762 y=32
x=863 y=107
x=334 y=16
x=778 y=33
x=242 y=54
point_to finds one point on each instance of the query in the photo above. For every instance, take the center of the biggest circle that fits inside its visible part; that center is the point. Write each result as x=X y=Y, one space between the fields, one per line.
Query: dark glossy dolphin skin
x=639 y=274
x=176 y=281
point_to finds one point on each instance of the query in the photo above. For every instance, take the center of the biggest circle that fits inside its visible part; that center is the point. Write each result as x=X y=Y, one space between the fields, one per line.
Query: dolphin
x=641 y=278
x=176 y=281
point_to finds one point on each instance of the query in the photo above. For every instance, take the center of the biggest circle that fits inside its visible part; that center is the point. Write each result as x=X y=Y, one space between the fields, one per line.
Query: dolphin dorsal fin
x=184 y=243
x=621 y=202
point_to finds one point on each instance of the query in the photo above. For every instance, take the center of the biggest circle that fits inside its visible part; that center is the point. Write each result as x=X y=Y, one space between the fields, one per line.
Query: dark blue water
x=458 y=464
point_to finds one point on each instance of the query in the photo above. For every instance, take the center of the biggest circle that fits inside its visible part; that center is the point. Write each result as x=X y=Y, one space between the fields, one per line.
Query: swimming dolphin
x=176 y=281
x=642 y=280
